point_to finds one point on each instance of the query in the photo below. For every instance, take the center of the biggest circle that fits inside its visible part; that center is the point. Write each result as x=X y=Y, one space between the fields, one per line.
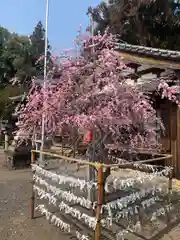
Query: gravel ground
x=15 y=224
x=15 y=190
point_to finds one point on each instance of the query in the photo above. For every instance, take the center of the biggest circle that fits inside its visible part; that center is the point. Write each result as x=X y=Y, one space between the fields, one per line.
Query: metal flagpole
x=90 y=169
x=45 y=76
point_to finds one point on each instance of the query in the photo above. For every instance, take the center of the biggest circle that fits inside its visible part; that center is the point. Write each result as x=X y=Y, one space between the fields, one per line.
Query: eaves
x=152 y=56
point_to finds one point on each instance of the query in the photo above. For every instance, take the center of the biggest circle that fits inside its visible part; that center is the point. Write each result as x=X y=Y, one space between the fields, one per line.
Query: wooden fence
x=102 y=214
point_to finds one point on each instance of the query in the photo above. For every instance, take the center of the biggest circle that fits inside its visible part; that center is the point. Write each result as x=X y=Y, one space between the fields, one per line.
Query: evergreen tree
x=18 y=62
x=38 y=47
x=149 y=23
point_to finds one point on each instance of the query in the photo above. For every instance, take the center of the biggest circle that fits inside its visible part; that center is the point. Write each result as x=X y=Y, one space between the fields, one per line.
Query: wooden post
x=32 y=201
x=169 y=195
x=74 y=149
x=99 y=203
x=91 y=177
x=62 y=149
x=91 y=171
x=6 y=140
x=170 y=185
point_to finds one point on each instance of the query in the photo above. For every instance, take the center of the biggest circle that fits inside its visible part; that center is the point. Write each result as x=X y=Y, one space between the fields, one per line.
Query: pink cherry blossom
x=90 y=93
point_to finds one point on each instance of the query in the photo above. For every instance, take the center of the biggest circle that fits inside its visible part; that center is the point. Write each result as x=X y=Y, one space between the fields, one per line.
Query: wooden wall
x=170 y=114
x=175 y=143
x=173 y=138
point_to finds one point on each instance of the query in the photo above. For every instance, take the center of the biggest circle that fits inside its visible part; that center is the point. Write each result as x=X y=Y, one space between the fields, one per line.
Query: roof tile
x=165 y=53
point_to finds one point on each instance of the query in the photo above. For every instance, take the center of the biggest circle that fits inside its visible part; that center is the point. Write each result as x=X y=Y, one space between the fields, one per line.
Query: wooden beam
x=149 y=60
x=150 y=69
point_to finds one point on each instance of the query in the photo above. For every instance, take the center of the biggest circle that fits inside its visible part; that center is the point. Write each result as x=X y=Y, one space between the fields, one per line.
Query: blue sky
x=64 y=18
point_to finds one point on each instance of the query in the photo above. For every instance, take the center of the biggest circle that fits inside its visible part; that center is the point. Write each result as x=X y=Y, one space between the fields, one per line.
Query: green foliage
x=19 y=54
x=149 y=23
x=37 y=40
x=18 y=63
x=6 y=105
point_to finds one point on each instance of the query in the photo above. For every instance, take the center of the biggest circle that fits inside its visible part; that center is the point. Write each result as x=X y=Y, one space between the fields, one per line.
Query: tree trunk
x=96 y=153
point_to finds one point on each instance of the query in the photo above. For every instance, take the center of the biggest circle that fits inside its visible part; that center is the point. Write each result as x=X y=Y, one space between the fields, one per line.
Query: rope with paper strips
x=121 y=205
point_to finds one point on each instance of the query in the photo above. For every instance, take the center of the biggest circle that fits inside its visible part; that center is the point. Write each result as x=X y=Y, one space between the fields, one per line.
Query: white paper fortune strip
x=61 y=179
x=164 y=172
x=53 y=218
x=90 y=221
x=137 y=227
x=121 y=235
x=129 y=211
x=45 y=195
x=81 y=236
x=132 y=198
x=66 y=195
x=161 y=212
x=149 y=202
x=121 y=184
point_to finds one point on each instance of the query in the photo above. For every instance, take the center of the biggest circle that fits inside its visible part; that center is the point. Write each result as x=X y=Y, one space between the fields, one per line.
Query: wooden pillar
x=6 y=141
x=91 y=175
x=173 y=137
x=178 y=142
x=170 y=186
x=99 y=203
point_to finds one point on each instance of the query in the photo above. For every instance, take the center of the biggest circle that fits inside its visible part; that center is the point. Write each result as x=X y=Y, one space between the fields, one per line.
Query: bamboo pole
x=32 y=201
x=130 y=165
x=99 y=203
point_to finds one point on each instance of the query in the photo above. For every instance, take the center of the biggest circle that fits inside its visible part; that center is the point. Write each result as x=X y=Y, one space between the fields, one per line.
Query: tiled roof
x=153 y=52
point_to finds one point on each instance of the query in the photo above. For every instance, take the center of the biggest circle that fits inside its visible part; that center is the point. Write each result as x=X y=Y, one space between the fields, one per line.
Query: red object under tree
x=88 y=137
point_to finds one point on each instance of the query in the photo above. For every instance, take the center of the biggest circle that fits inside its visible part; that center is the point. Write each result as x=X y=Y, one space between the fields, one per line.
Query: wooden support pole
x=62 y=149
x=74 y=148
x=99 y=203
x=170 y=185
x=32 y=200
x=77 y=167
x=6 y=141
x=169 y=195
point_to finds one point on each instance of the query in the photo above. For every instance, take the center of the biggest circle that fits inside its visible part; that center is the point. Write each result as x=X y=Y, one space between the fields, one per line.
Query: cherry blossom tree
x=91 y=93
